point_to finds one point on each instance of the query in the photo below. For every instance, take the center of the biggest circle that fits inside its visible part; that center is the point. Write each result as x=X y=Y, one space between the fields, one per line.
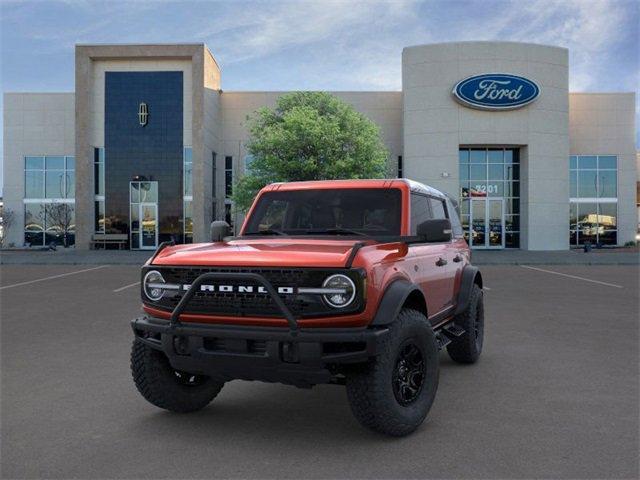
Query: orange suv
x=355 y=282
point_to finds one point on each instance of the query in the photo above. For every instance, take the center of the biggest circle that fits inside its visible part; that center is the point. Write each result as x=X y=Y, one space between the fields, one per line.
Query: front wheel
x=163 y=386
x=394 y=393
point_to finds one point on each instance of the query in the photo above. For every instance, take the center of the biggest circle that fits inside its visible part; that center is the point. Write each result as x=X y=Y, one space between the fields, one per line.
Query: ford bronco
x=355 y=282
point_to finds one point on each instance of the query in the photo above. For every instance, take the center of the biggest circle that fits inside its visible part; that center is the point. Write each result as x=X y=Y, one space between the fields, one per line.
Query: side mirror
x=219 y=230
x=435 y=230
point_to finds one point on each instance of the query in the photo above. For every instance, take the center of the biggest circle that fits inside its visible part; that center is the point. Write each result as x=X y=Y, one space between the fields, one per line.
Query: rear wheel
x=468 y=347
x=163 y=386
x=394 y=393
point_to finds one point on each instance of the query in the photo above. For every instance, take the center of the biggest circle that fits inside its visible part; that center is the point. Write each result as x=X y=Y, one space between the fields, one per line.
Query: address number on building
x=490 y=189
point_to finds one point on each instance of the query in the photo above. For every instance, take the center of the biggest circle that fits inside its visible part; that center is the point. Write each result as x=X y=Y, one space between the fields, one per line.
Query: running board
x=443 y=340
x=452 y=331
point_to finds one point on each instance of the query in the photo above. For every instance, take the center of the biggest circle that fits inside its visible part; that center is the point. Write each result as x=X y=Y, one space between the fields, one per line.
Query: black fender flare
x=470 y=276
x=392 y=301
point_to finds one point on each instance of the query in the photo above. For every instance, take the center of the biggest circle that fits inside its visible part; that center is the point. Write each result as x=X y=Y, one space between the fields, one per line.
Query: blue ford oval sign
x=496 y=91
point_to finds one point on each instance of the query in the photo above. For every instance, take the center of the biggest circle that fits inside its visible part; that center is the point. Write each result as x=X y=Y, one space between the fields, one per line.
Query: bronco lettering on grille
x=240 y=289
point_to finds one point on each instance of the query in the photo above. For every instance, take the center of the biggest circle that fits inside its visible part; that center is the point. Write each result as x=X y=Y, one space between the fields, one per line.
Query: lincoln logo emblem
x=143 y=114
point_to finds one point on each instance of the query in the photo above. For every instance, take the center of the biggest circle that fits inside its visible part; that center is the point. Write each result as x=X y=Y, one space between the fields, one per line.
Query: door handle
x=441 y=262
x=457 y=258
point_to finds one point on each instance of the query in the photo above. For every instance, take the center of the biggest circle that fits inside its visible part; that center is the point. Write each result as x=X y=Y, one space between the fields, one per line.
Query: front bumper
x=304 y=357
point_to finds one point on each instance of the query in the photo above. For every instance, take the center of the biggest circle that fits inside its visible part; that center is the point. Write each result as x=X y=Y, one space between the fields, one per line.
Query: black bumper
x=305 y=357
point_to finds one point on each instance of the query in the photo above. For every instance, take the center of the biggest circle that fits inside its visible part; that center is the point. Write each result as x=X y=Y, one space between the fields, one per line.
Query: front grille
x=256 y=304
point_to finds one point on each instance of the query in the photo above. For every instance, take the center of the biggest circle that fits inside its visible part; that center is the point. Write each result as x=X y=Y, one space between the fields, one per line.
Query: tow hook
x=289 y=352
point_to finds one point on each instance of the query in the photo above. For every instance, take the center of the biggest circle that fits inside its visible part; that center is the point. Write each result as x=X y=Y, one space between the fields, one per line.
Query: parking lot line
x=125 y=287
x=573 y=276
x=52 y=277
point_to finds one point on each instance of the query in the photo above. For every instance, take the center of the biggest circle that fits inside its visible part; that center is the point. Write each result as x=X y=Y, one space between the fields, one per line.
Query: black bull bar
x=256 y=277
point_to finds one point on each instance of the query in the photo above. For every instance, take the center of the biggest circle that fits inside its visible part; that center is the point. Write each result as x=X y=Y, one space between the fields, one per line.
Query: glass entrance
x=487 y=226
x=143 y=220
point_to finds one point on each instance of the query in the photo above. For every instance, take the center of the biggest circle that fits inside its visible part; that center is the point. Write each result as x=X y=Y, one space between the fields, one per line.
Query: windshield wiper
x=268 y=231
x=336 y=231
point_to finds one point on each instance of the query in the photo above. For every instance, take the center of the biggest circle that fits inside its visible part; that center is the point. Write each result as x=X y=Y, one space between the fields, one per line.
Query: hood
x=271 y=252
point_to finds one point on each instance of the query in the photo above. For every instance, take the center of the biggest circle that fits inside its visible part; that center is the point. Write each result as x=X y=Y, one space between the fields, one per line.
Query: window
x=98 y=188
x=50 y=177
x=214 y=156
x=228 y=176
x=437 y=208
x=400 y=167
x=593 y=187
x=188 y=221
x=49 y=195
x=452 y=214
x=420 y=211
x=187 y=194
x=213 y=185
x=187 y=162
x=374 y=212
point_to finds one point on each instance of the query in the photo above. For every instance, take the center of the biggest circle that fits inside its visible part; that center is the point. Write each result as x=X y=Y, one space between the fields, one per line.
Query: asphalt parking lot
x=555 y=394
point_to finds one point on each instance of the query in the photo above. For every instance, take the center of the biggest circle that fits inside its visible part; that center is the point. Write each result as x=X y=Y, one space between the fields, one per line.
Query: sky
x=321 y=45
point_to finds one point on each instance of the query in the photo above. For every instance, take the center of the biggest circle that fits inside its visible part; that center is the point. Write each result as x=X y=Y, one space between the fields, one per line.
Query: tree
x=309 y=136
x=7 y=219
x=60 y=218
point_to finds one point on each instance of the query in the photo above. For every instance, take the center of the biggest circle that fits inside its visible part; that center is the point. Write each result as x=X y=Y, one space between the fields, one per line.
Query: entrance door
x=143 y=218
x=486 y=228
x=148 y=226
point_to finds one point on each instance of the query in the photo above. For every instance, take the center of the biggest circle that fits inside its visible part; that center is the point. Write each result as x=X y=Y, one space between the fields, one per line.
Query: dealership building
x=148 y=146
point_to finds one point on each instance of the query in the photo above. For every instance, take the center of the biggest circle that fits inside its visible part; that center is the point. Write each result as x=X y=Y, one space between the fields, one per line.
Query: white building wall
x=34 y=124
x=435 y=126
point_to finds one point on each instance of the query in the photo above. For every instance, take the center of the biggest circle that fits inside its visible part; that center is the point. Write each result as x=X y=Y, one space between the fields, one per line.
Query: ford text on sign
x=496 y=91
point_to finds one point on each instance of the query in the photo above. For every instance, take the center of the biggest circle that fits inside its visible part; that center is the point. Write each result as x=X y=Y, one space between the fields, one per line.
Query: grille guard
x=195 y=286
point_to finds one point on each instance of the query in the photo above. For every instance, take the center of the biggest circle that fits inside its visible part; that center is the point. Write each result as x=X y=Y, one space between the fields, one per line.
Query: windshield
x=353 y=211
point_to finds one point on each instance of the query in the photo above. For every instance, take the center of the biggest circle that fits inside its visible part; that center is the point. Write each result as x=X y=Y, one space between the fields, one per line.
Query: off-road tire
x=370 y=388
x=468 y=347
x=157 y=381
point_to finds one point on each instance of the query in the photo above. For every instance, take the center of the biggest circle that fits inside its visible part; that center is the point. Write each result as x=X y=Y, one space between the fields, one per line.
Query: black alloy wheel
x=408 y=374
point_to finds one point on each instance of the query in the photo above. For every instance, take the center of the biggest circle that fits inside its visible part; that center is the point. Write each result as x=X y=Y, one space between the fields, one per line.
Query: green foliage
x=309 y=136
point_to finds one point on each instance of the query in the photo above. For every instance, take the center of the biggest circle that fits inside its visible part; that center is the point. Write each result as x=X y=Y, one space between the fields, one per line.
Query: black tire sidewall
x=415 y=329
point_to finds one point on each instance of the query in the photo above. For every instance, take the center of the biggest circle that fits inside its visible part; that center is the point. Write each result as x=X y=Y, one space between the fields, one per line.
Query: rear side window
x=456 y=226
x=437 y=207
x=420 y=211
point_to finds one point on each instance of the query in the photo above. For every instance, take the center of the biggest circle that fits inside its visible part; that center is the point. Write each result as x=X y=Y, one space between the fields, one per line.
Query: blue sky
x=323 y=45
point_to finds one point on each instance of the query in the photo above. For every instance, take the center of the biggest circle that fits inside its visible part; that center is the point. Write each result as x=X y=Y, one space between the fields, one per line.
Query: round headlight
x=343 y=291
x=152 y=285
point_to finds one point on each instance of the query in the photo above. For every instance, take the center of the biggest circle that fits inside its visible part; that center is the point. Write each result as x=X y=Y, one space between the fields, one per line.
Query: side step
x=447 y=334
x=452 y=331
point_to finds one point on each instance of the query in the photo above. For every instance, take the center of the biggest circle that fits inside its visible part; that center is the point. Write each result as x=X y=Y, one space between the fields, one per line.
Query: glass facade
x=187 y=208
x=49 y=199
x=228 y=190
x=490 y=196
x=593 y=211
x=98 y=182
x=144 y=151
x=143 y=215
x=228 y=176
